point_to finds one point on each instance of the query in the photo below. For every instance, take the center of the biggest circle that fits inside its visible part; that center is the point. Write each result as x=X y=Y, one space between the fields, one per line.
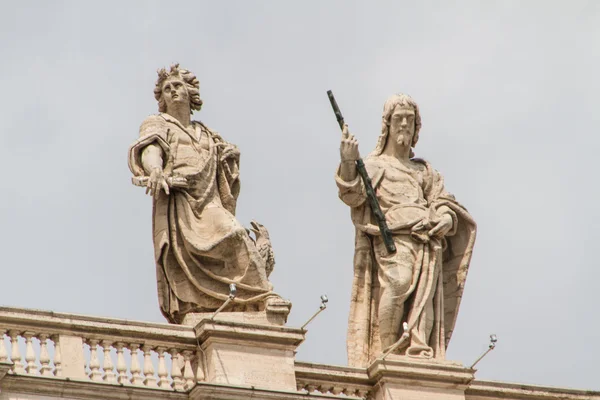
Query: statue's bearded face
x=402 y=125
x=175 y=93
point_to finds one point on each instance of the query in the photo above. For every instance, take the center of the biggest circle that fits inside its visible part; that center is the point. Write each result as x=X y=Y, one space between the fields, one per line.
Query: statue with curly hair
x=421 y=284
x=200 y=248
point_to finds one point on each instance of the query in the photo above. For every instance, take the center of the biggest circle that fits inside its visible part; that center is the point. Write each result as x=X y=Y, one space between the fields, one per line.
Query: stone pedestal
x=242 y=354
x=409 y=379
x=246 y=317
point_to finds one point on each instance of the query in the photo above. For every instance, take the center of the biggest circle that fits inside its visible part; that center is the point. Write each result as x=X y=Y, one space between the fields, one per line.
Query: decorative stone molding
x=66 y=356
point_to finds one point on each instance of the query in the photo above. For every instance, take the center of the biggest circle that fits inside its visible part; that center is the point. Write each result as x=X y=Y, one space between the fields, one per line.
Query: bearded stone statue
x=421 y=283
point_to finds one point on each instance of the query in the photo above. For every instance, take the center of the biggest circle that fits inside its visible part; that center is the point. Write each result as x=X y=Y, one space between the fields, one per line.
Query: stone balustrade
x=333 y=380
x=120 y=352
x=47 y=355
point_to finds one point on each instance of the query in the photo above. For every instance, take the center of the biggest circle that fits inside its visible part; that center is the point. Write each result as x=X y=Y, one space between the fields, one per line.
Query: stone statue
x=200 y=248
x=421 y=284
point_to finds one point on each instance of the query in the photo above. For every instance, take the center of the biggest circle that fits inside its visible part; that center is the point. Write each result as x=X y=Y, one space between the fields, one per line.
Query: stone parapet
x=490 y=390
x=46 y=355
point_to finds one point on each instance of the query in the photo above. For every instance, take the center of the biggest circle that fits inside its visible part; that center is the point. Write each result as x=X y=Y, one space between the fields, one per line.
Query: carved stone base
x=405 y=378
x=245 y=317
x=276 y=313
x=249 y=355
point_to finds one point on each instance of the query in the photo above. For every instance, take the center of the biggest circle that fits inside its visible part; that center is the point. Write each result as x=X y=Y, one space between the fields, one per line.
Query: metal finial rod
x=232 y=293
x=492 y=346
x=322 y=307
x=402 y=339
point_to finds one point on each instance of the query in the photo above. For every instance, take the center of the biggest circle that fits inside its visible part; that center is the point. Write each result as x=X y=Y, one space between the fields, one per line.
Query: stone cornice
x=211 y=391
x=4 y=367
x=69 y=388
x=505 y=390
x=267 y=335
x=95 y=327
x=401 y=369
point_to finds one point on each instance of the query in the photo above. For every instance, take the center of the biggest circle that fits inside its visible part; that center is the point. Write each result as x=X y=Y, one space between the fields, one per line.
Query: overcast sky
x=508 y=92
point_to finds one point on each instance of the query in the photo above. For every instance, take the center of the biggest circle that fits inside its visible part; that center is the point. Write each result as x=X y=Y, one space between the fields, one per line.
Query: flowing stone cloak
x=199 y=246
x=363 y=342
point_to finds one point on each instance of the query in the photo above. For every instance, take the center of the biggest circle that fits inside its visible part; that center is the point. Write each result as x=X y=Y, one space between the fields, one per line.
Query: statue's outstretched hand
x=349 y=146
x=157 y=182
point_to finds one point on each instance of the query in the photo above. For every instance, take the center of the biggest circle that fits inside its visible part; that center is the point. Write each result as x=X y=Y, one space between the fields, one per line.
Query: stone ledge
x=332 y=378
x=422 y=373
x=4 y=367
x=270 y=335
x=503 y=390
x=76 y=389
x=94 y=327
x=211 y=391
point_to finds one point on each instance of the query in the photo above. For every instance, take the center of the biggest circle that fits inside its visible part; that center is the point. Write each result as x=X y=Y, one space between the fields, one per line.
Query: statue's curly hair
x=390 y=105
x=191 y=82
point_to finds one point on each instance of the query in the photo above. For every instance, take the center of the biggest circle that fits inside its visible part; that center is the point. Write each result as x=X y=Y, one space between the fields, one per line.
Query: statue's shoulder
x=154 y=119
x=153 y=124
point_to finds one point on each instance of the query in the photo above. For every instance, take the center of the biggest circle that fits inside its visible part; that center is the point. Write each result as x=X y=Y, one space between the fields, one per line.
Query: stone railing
x=55 y=355
x=120 y=352
x=333 y=380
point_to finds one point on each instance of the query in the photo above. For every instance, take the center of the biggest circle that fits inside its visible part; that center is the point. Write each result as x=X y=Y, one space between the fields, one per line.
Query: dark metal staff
x=372 y=199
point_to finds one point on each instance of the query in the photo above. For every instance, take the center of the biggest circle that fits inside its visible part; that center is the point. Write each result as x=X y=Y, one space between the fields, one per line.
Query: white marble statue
x=422 y=282
x=192 y=173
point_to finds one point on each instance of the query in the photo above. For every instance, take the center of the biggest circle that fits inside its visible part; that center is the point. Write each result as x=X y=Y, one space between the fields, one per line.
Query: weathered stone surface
x=249 y=355
x=192 y=173
x=421 y=283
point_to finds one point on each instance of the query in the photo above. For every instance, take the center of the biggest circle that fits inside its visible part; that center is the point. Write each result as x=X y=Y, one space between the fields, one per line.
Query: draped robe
x=408 y=196
x=199 y=245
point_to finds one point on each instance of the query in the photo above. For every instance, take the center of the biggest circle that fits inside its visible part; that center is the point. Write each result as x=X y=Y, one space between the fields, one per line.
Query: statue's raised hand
x=349 y=146
x=156 y=182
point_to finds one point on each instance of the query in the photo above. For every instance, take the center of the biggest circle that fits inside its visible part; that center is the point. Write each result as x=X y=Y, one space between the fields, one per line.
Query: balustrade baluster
x=200 y=366
x=121 y=365
x=15 y=355
x=46 y=369
x=188 y=371
x=31 y=368
x=149 y=379
x=176 y=370
x=3 y=353
x=163 y=380
x=136 y=378
x=57 y=355
x=107 y=364
x=95 y=374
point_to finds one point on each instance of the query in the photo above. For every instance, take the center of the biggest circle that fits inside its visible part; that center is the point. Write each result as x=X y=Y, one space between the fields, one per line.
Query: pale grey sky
x=508 y=92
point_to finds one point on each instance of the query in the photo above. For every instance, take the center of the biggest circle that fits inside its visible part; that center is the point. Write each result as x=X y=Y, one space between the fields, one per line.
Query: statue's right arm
x=152 y=158
x=348 y=171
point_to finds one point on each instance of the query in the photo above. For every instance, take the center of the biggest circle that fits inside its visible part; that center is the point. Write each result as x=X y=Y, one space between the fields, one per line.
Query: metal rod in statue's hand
x=372 y=199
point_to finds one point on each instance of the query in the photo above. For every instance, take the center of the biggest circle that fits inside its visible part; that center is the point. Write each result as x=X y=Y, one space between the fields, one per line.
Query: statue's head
x=180 y=82
x=400 y=121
